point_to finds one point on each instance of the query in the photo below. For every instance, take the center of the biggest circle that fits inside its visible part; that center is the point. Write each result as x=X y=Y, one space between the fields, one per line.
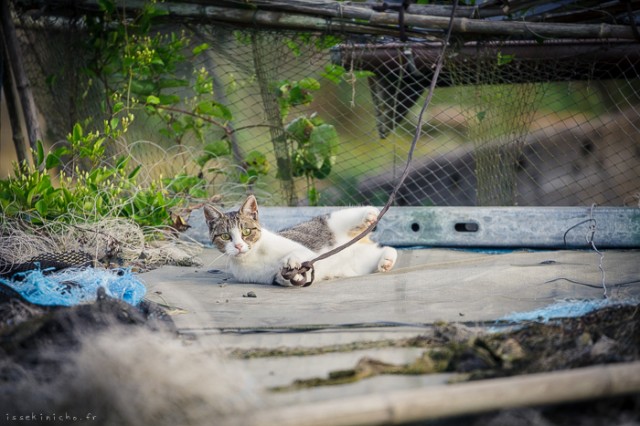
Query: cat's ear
x=211 y=214
x=250 y=207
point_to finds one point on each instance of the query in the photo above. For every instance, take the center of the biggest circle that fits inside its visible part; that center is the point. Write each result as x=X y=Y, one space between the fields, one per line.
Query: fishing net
x=108 y=242
x=510 y=123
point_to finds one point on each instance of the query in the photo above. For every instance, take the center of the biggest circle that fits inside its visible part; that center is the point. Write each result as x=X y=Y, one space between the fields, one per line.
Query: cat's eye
x=246 y=231
x=224 y=236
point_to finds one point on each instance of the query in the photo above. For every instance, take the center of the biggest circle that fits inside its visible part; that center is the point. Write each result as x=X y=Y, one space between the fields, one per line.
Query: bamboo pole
x=535 y=30
x=436 y=402
x=360 y=18
x=22 y=82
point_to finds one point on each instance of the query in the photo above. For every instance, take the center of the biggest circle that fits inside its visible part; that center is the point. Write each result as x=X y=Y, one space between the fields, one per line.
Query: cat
x=258 y=255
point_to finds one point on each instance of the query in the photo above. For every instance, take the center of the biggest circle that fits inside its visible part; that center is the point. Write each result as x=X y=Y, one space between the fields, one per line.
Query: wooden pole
x=435 y=402
x=22 y=153
x=14 y=55
x=266 y=74
x=14 y=118
x=558 y=61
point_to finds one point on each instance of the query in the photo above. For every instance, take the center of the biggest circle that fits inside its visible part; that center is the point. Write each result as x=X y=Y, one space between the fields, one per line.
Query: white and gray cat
x=258 y=255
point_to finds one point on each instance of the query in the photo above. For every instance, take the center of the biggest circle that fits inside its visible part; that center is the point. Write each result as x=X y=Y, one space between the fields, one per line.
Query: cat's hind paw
x=387 y=260
x=369 y=217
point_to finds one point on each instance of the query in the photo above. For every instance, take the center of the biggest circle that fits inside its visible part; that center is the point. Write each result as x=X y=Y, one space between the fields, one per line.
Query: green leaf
x=182 y=183
x=324 y=140
x=169 y=99
x=504 y=59
x=113 y=123
x=334 y=73
x=39 y=153
x=214 y=109
x=153 y=100
x=323 y=171
x=295 y=47
x=327 y=41
x=218 y=148
x=205 y=108
x=300 y=129
x=198 y=192
x=107 y=6
x=33 y=192
x=42 y=207
x=166 y=83
x=299 y=96
x=313 y=195
x=363 y=74
x=202 y=160
x=121 y=162
x=134 y=172
x=309 y=83
x=142 y=87
x=257 y=162
x=52 y=160
x=200 y=48
x=224 y=112
x=117 y=107
x=77 y=133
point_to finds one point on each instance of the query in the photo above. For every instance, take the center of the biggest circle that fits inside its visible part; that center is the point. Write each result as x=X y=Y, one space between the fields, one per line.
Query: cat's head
x=234 y=233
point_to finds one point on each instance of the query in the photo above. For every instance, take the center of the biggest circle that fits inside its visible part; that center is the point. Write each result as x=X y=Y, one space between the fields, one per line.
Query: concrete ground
x=427 y=286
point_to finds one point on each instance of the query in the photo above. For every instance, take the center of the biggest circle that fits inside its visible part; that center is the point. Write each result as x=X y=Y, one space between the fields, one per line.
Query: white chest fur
x=260 y=264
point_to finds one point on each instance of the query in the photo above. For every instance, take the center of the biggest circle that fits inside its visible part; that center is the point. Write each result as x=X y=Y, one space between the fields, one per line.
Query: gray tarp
x=427 y=285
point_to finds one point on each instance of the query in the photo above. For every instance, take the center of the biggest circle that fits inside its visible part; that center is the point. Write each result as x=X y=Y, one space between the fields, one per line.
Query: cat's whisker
x=212 y=261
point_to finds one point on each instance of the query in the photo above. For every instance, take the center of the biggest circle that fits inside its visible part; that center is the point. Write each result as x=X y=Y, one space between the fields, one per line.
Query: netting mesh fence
x=504 y=127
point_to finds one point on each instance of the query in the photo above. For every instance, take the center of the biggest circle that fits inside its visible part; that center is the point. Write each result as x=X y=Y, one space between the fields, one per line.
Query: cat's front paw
x=387 y=260
x=294 y=273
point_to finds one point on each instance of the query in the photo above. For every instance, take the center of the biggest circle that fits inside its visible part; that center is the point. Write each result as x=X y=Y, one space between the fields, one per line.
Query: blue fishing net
x=73 y=286
x=560 y=309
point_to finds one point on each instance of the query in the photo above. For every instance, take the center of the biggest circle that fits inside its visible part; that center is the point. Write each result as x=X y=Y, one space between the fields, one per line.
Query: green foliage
x=504 y=59
x=255 y=165
x=148 y=71
x=316 y=145
x=89 y=195
x=295 y=93
x=306 y=40
x=139 y=69
x=212 y=151
x=142 y=72
x=338 y=73
x=187 y=185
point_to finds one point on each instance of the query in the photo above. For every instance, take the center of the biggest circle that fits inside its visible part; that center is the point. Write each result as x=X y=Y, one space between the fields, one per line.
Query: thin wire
x=593 y=224
x=589 y=236
x=306 y=266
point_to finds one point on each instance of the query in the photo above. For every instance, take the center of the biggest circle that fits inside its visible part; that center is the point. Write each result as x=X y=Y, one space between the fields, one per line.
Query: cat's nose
x=238 y=246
